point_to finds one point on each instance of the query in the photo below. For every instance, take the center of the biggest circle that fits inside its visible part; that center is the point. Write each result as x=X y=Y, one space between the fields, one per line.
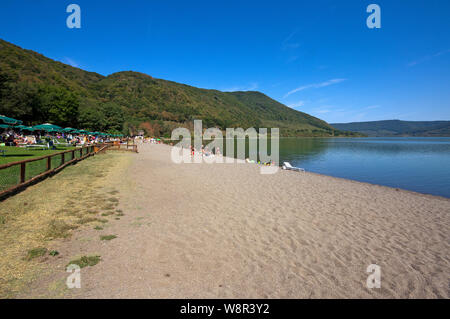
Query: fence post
x=73 y=154
x=62 y=158
x=49 y=163
x=22 y=173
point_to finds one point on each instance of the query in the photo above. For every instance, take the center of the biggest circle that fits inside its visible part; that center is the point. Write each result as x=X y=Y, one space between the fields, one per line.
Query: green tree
x=113 y=117
x=57 y=105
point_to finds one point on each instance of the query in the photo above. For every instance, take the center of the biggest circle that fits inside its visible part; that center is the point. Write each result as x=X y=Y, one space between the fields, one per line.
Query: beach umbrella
x=48 y=127
x=4 y=126
x=9 y=120
x=82 y=131
x=27 y=128
x=24 y=128
x=69 y=130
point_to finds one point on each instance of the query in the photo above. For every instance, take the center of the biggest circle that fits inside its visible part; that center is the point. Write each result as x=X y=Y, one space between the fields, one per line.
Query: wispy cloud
x=322 y=111
x=251 y=87
x=371 y=107
x=315 y=86
x=288 y=43
x=71 y=62
x=428 y=58
x=297 y=104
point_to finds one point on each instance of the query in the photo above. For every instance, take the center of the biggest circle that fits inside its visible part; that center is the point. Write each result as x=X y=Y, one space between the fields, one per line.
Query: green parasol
x=48 y=127
x=9 y=120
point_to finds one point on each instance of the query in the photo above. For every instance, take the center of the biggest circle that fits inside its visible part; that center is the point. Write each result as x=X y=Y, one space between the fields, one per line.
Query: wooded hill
x=398 y=128
x=36 y=89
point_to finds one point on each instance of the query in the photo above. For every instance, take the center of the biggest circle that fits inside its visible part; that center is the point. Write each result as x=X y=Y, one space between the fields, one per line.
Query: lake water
x=419 y=164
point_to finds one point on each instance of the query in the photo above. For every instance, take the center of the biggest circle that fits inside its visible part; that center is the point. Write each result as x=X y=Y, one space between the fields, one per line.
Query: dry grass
x=51 y=210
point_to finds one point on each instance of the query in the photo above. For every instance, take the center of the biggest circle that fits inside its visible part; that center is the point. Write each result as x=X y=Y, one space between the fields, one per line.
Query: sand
x=226 y=231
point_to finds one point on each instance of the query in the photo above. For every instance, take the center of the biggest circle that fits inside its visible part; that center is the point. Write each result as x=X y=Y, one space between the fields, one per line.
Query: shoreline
x=325 y=175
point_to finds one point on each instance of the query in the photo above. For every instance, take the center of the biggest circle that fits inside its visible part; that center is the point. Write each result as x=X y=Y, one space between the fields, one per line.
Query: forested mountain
x=397 y=128
x=37 y=89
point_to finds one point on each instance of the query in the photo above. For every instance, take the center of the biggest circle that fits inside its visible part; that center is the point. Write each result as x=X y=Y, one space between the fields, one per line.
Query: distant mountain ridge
x=131 y=101
x=397 y=128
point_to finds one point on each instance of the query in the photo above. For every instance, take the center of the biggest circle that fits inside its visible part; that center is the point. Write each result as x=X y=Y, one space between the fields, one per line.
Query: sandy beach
x=226 y=231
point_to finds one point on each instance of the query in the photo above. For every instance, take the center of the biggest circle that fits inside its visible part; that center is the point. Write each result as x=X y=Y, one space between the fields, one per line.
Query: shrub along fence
x=16 y=175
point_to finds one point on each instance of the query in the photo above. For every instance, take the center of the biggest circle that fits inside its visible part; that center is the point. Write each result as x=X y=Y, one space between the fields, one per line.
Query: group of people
x=20 y=138
x=151 y=140
x=204 y=151
x=13 y=138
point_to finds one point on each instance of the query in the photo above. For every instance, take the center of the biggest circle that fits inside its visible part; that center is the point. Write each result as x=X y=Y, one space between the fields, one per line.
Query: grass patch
x=107 y=213
x=58 y=229
x=98 y=228
x=85 y=220
x=113 y=199
x=109 y=207
x=35 y=252
x=54 y=253
x=85 y=261
x=15 y=154
x=2 y=220
x=104 y=221
x=107 y=237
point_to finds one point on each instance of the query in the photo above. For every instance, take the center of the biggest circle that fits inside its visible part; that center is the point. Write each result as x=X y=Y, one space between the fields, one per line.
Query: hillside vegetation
x=398 y=128
x=37 y=89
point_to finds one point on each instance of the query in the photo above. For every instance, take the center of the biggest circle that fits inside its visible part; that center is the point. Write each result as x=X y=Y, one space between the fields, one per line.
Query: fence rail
x=122 y=147
x=16 y=175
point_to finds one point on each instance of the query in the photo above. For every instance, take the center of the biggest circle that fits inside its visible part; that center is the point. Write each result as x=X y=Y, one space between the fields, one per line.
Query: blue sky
x=317 y=56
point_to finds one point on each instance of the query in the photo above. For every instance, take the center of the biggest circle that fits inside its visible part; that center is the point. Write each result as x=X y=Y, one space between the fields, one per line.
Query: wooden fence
x=122 y=147
x=16 y=175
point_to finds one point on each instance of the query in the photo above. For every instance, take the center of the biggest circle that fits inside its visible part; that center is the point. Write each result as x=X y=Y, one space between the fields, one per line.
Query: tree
x=57 y=105
x=113 y=117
